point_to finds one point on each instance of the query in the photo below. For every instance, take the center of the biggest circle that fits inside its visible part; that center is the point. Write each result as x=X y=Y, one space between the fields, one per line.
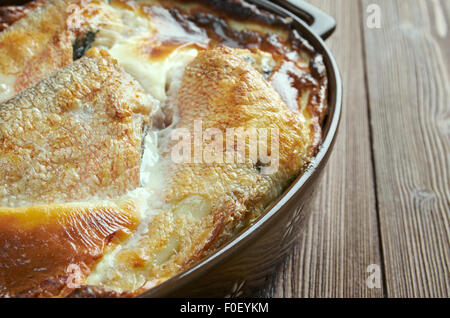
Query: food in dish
x=158 y=68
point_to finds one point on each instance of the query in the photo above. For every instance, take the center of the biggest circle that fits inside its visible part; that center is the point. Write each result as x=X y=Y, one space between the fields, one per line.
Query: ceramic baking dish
x=241 y=266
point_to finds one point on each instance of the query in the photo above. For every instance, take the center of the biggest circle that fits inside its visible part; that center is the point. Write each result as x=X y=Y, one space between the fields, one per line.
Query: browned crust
x=91 y=135
x=38 y=245
x=241 y=10
x=11 y=14
x=94 y=292
x=237 y=9
x=36 y=46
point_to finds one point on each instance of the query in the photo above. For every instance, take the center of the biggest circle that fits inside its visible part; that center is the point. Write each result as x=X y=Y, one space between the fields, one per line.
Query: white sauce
x=6 y=87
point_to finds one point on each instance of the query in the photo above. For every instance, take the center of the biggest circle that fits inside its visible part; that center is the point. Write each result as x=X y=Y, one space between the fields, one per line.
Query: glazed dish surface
x=92 y=93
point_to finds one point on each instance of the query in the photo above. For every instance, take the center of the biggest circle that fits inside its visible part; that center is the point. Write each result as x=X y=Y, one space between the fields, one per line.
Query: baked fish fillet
x=46 y=39
x=206 y=204
x=74 y=137
x=34 y=48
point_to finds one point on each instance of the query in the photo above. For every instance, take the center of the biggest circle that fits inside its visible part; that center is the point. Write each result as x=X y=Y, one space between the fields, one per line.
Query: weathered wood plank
x=342 y=238
x=408 y=83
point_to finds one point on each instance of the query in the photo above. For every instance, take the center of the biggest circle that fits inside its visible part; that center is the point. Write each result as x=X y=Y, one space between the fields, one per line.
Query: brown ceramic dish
x=241 y=266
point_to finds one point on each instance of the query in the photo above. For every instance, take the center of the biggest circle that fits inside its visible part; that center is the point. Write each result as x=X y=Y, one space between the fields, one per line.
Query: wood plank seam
x=372 y=150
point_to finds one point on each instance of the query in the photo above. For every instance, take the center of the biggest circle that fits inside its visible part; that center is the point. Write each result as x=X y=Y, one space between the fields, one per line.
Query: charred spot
x=82 y=44
x=259 y=166
x=242 y=10
x=267 y=73
x=300 y=43
x=14 y=12
x=221 y=31
x=318 y=68
x=93 y=292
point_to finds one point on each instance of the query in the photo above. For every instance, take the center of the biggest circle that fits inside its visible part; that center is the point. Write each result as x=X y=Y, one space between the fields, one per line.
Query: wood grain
x=342 y=238
x=408 y=81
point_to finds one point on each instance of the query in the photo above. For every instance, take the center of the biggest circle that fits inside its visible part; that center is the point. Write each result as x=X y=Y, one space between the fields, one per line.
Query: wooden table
x=385 y=197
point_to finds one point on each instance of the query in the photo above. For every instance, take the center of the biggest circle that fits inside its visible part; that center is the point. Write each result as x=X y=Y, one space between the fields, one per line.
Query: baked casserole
x=115 y=123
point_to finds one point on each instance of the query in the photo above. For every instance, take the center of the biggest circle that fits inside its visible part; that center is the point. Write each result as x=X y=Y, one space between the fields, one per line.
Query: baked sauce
x=205 y=24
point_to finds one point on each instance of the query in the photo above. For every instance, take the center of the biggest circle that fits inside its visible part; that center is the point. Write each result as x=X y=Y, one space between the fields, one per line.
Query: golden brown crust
x=45 y=251
x=36 y=46
x=297 y=72
x=95 y=292
x=11 y=14
x=41 y=42
x=224 y=92
x=74 y=136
